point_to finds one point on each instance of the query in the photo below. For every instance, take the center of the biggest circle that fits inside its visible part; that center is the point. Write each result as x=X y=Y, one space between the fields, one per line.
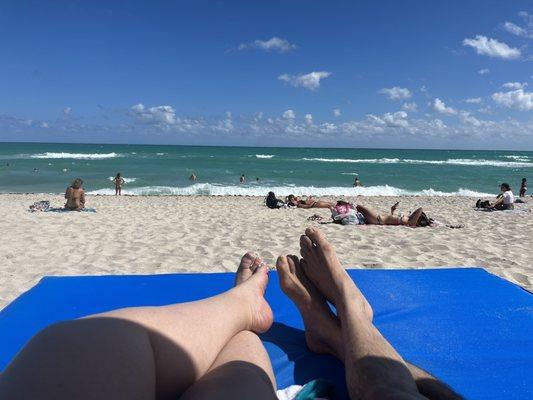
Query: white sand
x=153 y=235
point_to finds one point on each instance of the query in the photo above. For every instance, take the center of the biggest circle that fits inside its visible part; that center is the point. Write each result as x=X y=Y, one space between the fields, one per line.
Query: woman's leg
x=323 y=329
x=371 y=216
x=157 y=351
x=242 y=370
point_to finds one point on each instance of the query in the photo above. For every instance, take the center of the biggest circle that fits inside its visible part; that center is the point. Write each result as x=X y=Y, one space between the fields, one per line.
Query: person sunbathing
x=309 y=202
x=416 y=219
x=199 y=350
x=75 y=196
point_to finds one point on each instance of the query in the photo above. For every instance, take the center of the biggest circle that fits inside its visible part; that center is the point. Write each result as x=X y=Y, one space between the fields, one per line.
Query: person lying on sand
x=271 y=201
x=309 y=202
x=198 y=350
x=75 y=195
x=350 y=214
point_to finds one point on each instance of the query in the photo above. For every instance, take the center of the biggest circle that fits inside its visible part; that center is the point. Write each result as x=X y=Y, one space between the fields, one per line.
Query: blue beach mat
x=471 y=329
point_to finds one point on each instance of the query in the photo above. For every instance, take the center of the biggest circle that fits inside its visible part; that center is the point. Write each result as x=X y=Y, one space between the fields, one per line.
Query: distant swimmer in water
x=357 y=182
x=118 y=181
x=309 y=202
x=75 y=196
x=257 y=180
x=35 y=170
x=193 y=177
x=242 y=179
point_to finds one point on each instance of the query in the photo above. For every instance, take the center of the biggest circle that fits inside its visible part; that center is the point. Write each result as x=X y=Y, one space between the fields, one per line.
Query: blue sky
x=356 y=74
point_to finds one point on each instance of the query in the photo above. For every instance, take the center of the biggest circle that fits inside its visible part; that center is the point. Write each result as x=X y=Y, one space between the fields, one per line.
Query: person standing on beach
x=523 y=187
x=118 y=181
x=242 y=179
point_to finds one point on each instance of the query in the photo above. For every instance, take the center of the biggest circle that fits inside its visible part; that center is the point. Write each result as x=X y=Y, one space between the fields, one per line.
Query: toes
x=294 y=262
x=247 y=260
x=317 y=237
x=282 y=265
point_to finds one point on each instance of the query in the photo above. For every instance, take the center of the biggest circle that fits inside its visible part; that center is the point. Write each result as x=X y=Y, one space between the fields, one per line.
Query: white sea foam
x=79 y=156
x=207 y=189
x=453 y=161
x=160 y=154
x=264 y=156
x=126 y=180
x=518 y=157
x=356 y=161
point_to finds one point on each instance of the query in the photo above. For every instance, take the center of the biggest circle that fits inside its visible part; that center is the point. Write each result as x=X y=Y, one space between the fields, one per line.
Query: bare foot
x=249 y=262
x=322 y=327
x=325 y=271
x=250 y=285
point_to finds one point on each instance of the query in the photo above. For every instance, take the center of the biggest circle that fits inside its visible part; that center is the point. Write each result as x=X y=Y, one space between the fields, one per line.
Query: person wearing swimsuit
x=373 y=218
x=75 y=196
x=118 y=181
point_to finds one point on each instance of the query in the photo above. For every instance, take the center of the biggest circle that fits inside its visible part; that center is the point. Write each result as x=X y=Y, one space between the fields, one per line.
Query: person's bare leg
x=147 y=350
x=242 y=370
x=414 y=217
x=243 y=366
x=371 y=216
x=323 y=328
x=373 y=367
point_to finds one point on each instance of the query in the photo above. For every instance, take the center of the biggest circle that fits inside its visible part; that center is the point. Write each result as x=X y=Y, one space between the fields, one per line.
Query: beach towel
x=44 y=206
x=467 y=327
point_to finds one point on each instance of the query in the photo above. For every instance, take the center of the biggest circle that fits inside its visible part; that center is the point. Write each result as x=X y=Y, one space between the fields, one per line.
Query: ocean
x=165 y=170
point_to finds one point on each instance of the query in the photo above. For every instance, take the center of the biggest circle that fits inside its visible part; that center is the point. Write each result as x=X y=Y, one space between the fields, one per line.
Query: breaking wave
x=264 y=156
x=79 y=156
x=207 y=189
x=453 y=161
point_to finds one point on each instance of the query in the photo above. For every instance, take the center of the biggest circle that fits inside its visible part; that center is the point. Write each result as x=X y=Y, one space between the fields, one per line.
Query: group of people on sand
x=210 y=348
x=346 y=213
x=75 y=194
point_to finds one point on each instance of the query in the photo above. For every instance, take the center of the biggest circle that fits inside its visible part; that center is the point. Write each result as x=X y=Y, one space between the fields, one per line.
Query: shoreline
x=154 y=234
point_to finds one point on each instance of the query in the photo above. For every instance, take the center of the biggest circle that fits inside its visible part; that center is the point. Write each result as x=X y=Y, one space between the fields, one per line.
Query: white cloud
x=515 y=29
x=474 y=100
x=390 y=120
x=289 y=114
x=67 y=110
x=492 y=48
x=309 y=81
x=410 y=107
x=439 y=106
x=336 y=112
x=483 y=71
x=396 y=93
x=517 y=99
x=308 y=119
x=44 y=125
x=514 y=85
x=273 y=44
x=159 y=114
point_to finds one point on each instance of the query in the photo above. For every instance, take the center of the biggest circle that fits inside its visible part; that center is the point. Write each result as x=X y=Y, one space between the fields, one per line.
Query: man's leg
x=137 y=352
x=323 y=328
x=373 y=367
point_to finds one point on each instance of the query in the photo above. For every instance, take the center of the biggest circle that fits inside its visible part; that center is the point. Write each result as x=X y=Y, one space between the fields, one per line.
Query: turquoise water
x=160 y=170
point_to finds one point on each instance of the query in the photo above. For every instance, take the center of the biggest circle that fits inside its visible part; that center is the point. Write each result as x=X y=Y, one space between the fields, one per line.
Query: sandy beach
x=154 y=235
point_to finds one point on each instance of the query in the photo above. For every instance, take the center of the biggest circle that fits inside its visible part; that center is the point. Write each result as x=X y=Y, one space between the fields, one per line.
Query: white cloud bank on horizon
x=310 y=81
x=492 y=48
x=273 y=44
